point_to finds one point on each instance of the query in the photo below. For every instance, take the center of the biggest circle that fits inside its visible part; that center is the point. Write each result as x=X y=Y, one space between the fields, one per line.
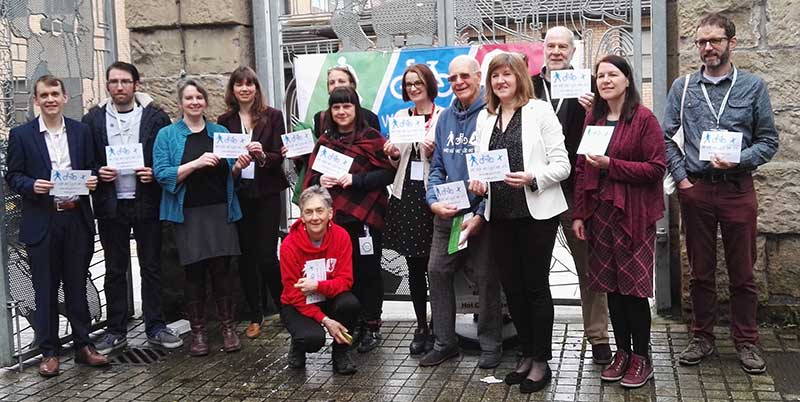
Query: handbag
x=678 y=138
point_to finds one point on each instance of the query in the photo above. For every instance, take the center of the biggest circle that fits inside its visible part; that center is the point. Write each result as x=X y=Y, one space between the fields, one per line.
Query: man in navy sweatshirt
x=456 y=137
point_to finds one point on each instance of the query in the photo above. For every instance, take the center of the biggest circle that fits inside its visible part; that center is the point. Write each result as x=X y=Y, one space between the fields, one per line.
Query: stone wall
x=203 y=39
x=768 y=43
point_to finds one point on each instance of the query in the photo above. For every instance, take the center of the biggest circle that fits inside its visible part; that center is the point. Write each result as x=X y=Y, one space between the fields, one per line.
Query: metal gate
x=635 y=29
x=73 y=40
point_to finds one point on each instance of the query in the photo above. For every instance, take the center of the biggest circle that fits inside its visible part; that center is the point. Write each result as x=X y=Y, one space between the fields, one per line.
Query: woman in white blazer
x=523 y=210
x=409 y=221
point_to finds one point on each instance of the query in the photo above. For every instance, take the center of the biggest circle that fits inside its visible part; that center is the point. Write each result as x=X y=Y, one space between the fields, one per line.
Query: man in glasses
x=129 y=199
x=721 y=101
x=559 y=47
x=456 y=137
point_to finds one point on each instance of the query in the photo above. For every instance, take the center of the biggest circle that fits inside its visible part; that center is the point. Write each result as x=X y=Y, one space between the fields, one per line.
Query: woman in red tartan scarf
x=360 y=200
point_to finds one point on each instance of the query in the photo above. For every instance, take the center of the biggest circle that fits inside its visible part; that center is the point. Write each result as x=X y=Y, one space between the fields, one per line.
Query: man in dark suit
x=125 y=200
x=57 y=231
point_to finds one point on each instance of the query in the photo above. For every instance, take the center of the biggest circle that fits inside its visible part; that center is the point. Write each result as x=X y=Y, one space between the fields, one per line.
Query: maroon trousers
x=729 y=202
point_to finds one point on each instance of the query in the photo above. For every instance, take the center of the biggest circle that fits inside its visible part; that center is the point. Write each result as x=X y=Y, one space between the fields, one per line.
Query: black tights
x=218 y=267
x=630 y=318
x=418 y=284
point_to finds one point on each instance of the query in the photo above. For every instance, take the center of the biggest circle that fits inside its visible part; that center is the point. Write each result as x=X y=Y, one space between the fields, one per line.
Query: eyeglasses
x=124 y=83
x=463 y=76
x=715 y=42
x=415 y=84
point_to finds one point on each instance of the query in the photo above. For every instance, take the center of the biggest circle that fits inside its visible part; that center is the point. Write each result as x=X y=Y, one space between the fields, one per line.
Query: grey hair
x=316 y=191
x=561 y=29
x=194 y=83
x=468 y=60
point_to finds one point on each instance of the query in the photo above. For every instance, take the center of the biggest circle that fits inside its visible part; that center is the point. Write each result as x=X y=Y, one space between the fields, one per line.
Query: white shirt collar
x=43 y=126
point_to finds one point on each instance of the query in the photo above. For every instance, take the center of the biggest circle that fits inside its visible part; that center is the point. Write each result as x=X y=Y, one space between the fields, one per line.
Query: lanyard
x=724 y=100
x=244 y=129
x=547 y=94
x=124 y=131
x=366 y=231
x=427 y=123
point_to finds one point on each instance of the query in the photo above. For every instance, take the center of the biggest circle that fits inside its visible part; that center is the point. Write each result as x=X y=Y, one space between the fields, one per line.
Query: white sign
x=250 y=171
x=570 y=83
x=67 y=183
x=230 y=145
x=125 y=157
x=453 y=193
x=726 y=145
x=404 y=130
x=488 y=166
x=315 y=270
x=298 y=143
x=331 y=163
x=595 y=140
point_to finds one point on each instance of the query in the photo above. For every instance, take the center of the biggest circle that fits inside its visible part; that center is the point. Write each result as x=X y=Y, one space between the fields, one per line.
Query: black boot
x=372 y=337
x=418 y=342
x=342 y=363
x=297 y=357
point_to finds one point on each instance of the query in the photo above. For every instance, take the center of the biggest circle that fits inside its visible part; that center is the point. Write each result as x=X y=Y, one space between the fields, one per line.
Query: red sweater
x=297 y=248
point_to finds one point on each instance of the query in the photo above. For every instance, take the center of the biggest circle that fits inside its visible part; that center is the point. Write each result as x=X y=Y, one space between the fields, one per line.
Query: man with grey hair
x=559 y=48
x=455 y=137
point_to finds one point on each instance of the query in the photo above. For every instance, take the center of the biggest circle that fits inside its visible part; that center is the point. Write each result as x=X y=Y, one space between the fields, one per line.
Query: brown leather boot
x=198 y=345
x=230 y=341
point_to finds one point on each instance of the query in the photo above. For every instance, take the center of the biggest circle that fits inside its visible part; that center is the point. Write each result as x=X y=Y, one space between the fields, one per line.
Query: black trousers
x=259 y=270
x=522 y=250
x=307 y=334
x=62 y=256
x=630 y=318
x=115 y=238
x=367 y=279
x=418 y=285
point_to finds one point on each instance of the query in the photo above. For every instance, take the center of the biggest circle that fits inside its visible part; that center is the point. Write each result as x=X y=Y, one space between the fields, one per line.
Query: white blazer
x=544 y=155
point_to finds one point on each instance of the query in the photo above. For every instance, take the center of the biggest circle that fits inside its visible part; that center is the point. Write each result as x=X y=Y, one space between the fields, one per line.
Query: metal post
x=446 y=27
x=6 y=326
x=658 y=29
x=637 y=42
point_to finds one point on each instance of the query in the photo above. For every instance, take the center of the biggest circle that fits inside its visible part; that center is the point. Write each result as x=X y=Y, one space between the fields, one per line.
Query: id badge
x=416 y=170
x=250 y=171
x=365 y=246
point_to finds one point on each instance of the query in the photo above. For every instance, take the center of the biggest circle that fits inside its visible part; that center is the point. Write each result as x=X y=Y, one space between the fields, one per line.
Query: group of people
x=328 y=277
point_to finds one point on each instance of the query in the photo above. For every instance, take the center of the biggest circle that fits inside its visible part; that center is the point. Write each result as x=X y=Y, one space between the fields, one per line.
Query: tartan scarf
x=366 y=149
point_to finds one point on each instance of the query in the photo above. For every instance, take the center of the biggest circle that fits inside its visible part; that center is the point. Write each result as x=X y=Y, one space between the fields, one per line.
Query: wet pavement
x=259 y=373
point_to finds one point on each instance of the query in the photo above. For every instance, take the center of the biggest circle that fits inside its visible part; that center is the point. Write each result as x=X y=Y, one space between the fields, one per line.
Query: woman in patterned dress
x=618 y=199
x=409 y=228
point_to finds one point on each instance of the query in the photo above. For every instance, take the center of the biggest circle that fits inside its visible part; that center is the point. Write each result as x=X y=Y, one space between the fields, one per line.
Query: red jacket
x=297 y=248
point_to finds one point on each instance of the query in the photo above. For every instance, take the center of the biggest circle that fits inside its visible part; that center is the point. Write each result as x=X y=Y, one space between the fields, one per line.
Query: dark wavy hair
x=344 y=95
x=632 y=97
x=246 y=75
x=718 y=20
x=426 y=75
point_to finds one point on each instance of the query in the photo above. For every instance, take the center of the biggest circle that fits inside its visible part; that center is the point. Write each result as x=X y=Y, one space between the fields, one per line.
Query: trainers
x=437 y=357
x=639 y=372
x=619 y=365
x=601 y=353
x=750 y=358
x=110 y=342
x=166 y=338
x=698 y=349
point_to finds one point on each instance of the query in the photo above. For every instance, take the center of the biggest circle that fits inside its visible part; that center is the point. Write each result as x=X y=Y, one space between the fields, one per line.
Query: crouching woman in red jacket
x=317 y=275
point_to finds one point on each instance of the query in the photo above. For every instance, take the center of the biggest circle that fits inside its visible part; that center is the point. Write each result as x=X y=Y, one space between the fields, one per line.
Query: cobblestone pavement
x=259 y=373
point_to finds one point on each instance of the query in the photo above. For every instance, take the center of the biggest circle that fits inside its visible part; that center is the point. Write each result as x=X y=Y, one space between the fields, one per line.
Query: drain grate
x=139 y=356
x=784 y=367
